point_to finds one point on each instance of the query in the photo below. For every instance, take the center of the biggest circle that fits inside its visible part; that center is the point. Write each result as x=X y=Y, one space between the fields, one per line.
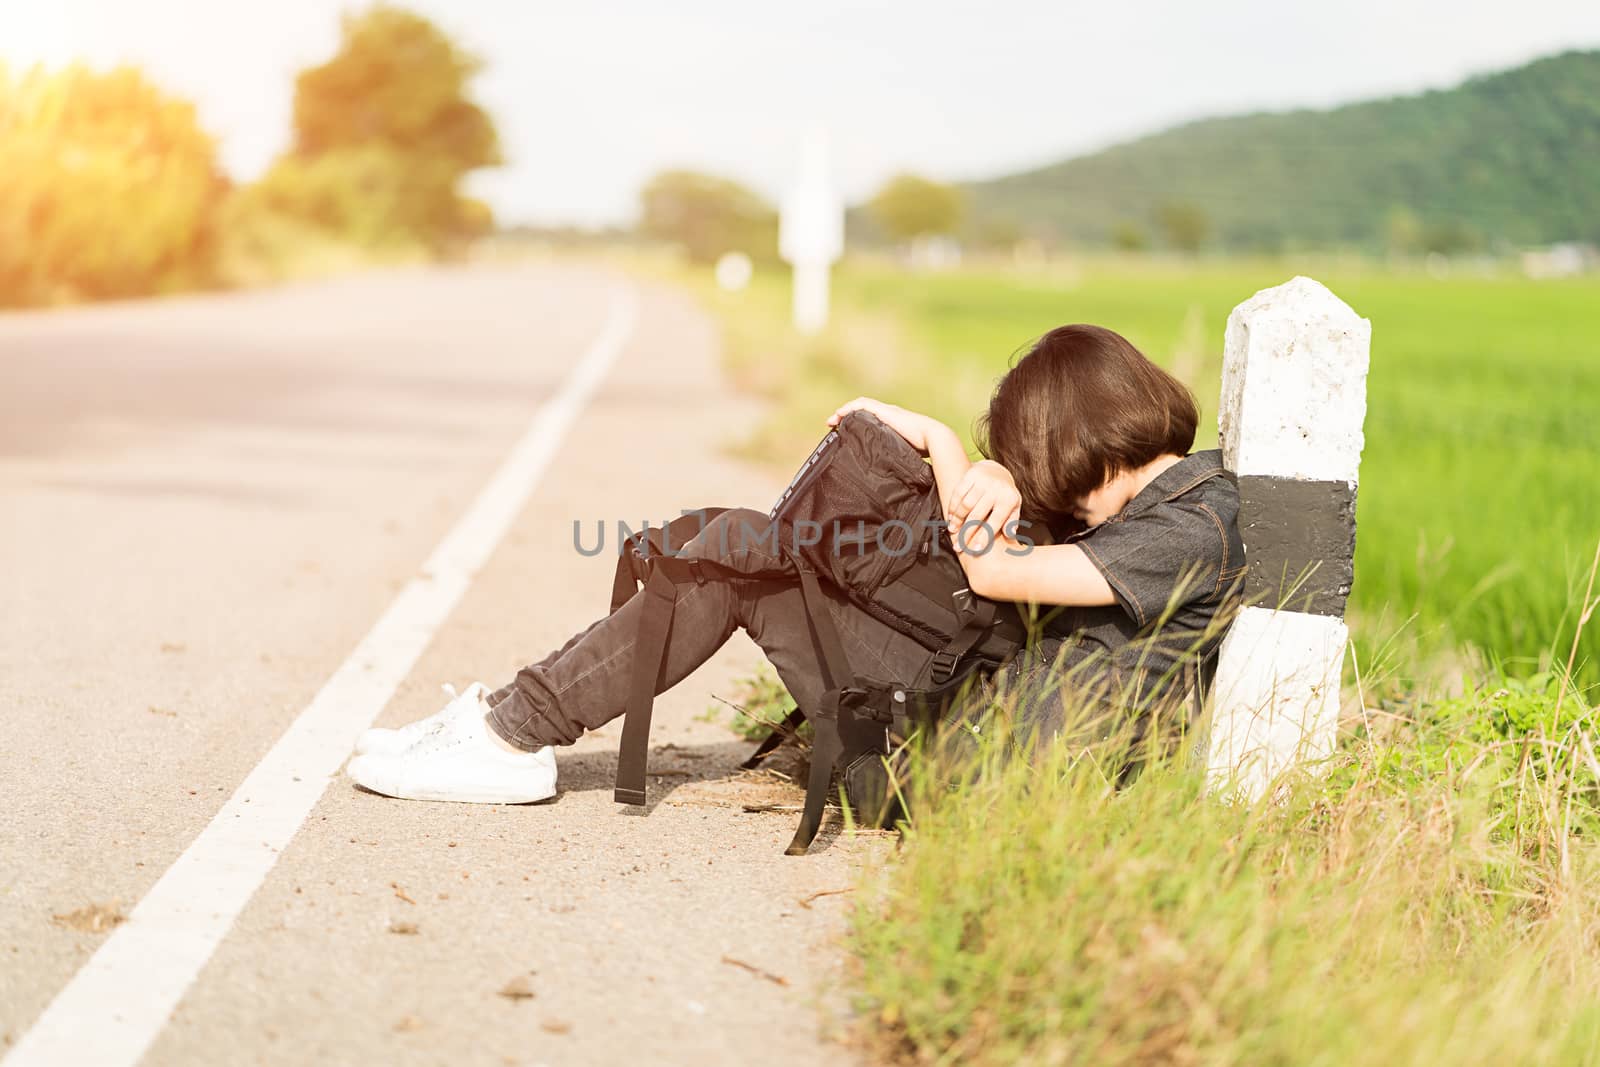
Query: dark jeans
x=584 y=684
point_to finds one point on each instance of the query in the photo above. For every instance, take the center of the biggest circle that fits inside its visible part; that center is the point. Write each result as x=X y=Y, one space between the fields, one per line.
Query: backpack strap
x=635 y=554
x=826 y=748
x=648 y=648
x=836 y=669
x=826 y=744
x=644 y=559
x=647 y=556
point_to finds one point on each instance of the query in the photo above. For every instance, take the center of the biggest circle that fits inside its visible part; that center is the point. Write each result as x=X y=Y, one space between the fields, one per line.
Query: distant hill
x=1504 y=159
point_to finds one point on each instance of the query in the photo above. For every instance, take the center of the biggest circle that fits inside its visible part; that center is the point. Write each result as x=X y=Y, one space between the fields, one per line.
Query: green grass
x=1477 y=510
x=1435 y=899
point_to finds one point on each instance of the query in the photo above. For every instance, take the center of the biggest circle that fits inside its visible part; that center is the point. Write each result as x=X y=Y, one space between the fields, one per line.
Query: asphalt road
x=205 y=504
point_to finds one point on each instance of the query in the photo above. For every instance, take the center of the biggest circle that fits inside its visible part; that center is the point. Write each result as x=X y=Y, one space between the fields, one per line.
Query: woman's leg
x=585 y=683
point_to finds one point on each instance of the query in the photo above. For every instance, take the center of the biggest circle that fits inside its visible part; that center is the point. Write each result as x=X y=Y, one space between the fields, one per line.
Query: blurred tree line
x=110 y=188
x=707 y=215
x=909 y=206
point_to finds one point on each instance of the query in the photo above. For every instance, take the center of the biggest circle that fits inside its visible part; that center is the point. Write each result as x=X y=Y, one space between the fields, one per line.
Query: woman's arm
x=999 y=567
x=1046 y=574
x=1004 y=569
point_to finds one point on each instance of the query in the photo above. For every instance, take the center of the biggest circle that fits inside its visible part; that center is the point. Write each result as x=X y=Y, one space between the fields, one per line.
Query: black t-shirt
x=1175 y=562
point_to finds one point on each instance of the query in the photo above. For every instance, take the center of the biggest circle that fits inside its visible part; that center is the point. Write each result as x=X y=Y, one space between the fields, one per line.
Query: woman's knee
x=735 y=535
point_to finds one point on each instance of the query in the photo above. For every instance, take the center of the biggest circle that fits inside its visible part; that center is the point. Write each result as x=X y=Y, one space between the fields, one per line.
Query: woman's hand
x=908 y=424
x=985 y=502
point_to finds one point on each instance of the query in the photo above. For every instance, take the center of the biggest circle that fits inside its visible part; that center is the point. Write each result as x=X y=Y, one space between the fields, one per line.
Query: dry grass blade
x=806 y=901
x=1584 y=615
x=776 y=979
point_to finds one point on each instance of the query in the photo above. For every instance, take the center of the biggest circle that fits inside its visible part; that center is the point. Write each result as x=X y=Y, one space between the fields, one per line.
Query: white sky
x=593 y=98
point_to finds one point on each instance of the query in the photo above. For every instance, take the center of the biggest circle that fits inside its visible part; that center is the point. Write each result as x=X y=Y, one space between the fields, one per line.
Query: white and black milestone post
x=1294 y=396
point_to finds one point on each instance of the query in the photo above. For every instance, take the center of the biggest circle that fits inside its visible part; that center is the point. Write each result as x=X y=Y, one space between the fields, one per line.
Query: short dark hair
x=1080 y=406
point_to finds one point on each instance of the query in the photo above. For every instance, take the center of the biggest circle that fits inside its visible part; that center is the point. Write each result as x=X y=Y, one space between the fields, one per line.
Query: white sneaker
x=388 y=742
x=459 y=762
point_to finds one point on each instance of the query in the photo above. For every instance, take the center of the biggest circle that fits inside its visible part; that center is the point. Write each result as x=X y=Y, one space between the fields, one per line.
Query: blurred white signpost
x=1294 y=397
x=811 y=235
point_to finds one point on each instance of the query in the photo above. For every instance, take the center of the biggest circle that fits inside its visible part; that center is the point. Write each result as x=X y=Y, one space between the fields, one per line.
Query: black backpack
x=862 y=513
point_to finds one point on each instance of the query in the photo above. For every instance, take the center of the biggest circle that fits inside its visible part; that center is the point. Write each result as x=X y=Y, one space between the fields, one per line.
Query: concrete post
x=811 y=234
x=1294 y=396
x=810 y=296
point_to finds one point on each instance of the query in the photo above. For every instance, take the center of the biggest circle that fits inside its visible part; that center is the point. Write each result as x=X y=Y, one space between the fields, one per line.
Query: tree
x=1451 y=238
x=1129 y=236
x=108 y=188
x=1001 y=234
x=1402 y=231
x=384 y=133
x=707 y=215
x=1185 y=224
x=909 y=207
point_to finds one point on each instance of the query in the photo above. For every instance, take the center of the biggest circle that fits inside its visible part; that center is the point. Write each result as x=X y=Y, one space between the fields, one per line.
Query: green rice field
x=1479 y=504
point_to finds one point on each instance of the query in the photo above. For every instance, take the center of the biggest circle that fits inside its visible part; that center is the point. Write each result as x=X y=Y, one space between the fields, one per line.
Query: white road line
x=118 y=1002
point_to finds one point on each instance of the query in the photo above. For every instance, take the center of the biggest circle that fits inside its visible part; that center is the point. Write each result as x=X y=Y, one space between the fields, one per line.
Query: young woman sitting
x=1087 y=441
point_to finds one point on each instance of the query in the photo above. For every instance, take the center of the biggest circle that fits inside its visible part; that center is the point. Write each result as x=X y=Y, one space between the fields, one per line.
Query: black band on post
x=1301 y=536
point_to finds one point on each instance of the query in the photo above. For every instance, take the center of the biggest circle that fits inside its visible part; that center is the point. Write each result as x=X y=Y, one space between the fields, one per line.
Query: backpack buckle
x=944 y=665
